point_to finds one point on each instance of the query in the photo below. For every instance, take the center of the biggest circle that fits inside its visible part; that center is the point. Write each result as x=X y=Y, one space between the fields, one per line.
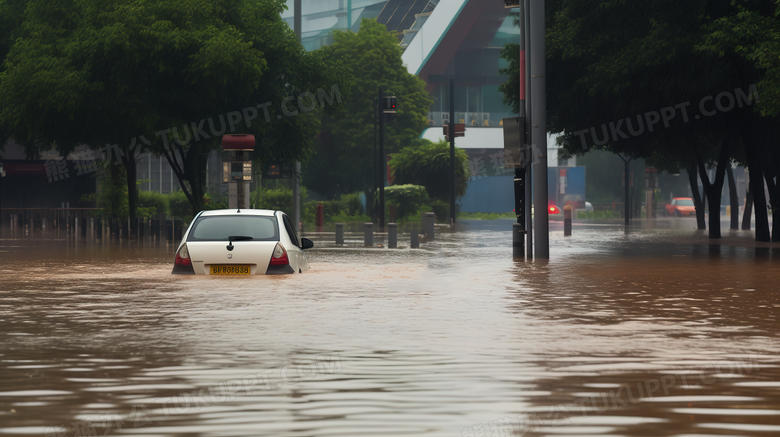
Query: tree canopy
x=343 y=160
x=166 y=76
x=637 y=78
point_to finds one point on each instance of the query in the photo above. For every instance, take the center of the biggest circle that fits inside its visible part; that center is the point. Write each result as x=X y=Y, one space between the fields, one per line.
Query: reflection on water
x=654 y=333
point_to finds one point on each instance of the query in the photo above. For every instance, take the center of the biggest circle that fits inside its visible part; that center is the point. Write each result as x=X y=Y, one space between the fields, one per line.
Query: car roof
x=218 y=212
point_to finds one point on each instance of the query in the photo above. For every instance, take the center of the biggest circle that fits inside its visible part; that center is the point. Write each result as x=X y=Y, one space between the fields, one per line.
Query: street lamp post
x=297 y=166
x=382 y=160
x=451 y=131
x=539 y=128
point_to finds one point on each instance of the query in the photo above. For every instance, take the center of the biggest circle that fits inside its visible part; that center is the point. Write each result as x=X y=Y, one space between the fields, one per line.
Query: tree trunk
x=195 y=163
x=697 y=200
x=774 y=200
x=759 y=200
x=714 y=189
x=132 y=195
x=747 y=216
x=734 y=198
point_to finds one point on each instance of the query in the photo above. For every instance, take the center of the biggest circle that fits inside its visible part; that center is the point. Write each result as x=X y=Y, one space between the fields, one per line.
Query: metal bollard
x=567 y=209
x=415 y=238
x=518 y=240
x=339 y=233
x=368 y=238
x=392 y=235
x=430 y=220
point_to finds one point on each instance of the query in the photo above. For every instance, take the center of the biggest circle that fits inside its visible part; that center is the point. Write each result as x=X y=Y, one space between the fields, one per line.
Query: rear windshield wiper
x=233 y=238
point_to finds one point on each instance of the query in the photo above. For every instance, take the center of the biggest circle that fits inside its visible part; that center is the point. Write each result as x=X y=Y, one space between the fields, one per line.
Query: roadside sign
x=514 y=139
x=460 y=130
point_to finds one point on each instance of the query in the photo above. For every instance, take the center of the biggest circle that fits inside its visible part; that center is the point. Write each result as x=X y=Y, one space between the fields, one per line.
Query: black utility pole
x=526 y=78
x=382 y=160
x=626 y=195
x=520 y=170
x=451 y=131
x=374 y=199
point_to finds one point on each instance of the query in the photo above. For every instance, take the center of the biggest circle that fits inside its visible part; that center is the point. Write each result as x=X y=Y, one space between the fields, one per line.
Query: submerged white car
x=241 y=242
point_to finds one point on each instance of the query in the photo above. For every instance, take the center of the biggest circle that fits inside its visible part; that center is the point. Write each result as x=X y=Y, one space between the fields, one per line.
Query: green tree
x=344 y=159
x=752 y=32
x=147 y=75
x=610 y=61
x=429 y=165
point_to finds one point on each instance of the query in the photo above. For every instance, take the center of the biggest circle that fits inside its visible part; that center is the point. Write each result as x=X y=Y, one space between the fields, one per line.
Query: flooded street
x=655 y=333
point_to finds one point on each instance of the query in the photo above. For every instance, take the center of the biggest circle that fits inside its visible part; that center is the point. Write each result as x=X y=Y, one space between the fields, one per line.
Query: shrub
x=179 y=206
x=152 y=204
x=405 y=199
x=429 y=165
x=216 y=201
x=442 y=210
x=608 y=213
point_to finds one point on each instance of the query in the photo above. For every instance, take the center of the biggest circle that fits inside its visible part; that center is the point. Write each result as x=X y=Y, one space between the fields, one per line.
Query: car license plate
x=230 y=270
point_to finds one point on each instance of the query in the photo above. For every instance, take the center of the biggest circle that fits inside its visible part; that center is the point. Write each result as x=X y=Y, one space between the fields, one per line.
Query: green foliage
x=429 y=165
x=344 y=160
x=275 y=199
x=752 y=33
x=216 y=201
x=108 y=72
x=346 y=209
x=112 y=193
x=403 y=200
x=179 y=206
x=343 y=217
x=152 y=204
x=486 y=215
x=603 y=214
x=442 y=210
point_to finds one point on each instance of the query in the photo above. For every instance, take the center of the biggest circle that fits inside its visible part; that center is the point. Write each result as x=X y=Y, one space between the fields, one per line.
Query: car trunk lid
x=256 y=254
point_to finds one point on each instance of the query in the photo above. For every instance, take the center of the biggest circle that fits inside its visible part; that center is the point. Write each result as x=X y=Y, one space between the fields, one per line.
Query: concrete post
x=392 y=235
x=339 y=233
x=430 y=220
x=518 y=240
x=368 y=237
x=567 y=211
x=415 y=238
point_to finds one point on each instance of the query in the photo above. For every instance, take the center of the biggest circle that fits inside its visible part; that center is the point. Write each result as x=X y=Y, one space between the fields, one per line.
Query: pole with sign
x=237 y=168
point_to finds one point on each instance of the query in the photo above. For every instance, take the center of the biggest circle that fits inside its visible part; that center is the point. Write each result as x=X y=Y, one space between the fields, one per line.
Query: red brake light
x=554 y=209
x=183 y=256
x=279 y=257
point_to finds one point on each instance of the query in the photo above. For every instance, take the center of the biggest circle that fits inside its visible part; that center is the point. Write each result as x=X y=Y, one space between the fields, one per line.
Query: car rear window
x=685 y=202
x=219 y=228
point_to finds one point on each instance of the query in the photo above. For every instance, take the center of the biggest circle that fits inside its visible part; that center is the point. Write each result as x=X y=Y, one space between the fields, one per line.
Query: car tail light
x=554 y=209
x=183 y=256
x=279 y=257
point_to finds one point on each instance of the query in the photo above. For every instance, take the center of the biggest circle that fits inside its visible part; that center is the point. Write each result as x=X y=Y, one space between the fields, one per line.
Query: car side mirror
x=306 y=244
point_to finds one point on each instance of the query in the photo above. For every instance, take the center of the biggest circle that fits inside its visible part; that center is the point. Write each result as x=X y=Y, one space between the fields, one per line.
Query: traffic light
x=388 y=107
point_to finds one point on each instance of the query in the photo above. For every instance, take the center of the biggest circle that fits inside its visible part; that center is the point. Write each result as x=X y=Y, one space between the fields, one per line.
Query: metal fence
x=86 y=224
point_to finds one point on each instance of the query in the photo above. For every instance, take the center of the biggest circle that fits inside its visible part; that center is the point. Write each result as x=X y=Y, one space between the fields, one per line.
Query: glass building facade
x=474 y=69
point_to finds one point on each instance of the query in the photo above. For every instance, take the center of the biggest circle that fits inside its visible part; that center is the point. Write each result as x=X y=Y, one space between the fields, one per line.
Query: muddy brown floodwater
x=655 y=333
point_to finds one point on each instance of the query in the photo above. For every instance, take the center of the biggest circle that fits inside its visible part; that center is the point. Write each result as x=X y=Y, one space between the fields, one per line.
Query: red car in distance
x=681 y=207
